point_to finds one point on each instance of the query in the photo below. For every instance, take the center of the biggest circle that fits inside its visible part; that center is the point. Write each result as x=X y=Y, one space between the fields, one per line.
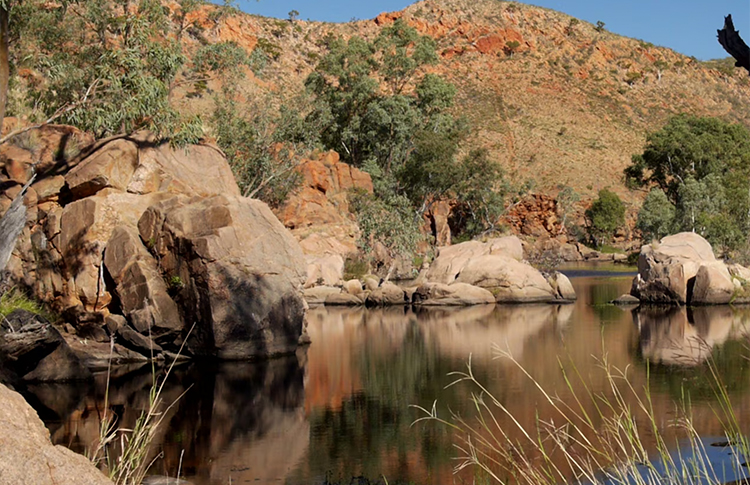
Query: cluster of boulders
x=682 y=270
x=151 y=245
x=469 y=273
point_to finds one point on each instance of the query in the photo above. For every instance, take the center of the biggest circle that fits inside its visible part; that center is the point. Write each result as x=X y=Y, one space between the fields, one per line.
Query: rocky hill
x=557 y=101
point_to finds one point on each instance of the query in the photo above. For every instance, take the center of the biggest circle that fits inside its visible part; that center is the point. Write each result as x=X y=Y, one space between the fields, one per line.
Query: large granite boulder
x=133 y=228
x=508 y=279
x=238 y=270
x=387 y=294
x=713 y=285
x=141 y=289
x=327 y=270
x=497 y=266
x=682 y=269
x=451 y=260
x=29 y=458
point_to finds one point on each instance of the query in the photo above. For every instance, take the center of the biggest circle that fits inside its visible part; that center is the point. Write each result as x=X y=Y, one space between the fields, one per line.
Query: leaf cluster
x=700 y=171
x=109 y=66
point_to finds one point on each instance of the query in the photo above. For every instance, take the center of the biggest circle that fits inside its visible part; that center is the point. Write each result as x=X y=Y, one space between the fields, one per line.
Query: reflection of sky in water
x=341 y=408
x=708 y=461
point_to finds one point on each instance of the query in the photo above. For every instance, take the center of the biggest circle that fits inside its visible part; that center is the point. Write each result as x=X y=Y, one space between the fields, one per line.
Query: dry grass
x=621 y=443
x=124 y=452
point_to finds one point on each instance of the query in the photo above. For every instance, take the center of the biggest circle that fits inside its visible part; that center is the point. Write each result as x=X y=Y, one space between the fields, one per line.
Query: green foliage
x=14 y=299
x=127 y=86
x=690 y=146
x=570 y=29
x=355 y=268
x=632 y=77
x=260 y=144
x=702 y=165
x=511 y=47
x=109 y=67
x=377 y=108
x=656 y=217
x=390 y=221
x=359 y=120
x=175 y=283
x=567 y=198
x=271 y=50
x=605 y=216
x=225 y=58
x=479 y=192
x=599 y=26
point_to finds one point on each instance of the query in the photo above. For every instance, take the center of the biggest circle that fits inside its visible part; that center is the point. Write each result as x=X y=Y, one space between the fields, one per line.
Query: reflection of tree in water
x=372 y=434
x=600 y=295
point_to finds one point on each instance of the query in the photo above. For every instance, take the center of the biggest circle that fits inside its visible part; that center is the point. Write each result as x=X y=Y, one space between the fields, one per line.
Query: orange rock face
x=318 y=213
x=535 y=216
x=323 y=197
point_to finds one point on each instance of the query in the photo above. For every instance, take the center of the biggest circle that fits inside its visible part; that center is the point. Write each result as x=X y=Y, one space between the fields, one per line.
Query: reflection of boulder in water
x=72 y=411
x=245 y=422
x=480 y=330
x=236 y=419
x=686 y=336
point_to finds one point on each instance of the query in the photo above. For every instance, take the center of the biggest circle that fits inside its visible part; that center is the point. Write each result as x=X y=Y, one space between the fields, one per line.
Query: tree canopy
x=605 y=216
x=701 y=166
x=380 y=110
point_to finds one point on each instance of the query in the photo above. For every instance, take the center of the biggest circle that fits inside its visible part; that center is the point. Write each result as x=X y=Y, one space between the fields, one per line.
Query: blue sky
x=687 y=26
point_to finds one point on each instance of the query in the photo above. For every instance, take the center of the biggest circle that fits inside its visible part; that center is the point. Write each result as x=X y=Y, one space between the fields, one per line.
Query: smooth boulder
x=682 y=269
x=498 y=267
x=387 y=294
x=240 y=274
x=509 y=280
x=456 y=294
x=29 y=458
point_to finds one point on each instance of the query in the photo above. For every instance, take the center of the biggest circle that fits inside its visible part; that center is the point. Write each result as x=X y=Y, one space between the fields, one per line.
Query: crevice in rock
x=690 y=288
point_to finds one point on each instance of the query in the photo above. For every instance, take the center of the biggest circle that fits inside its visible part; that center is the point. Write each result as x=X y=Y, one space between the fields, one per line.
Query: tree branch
x=61 y=111
x=730 y=40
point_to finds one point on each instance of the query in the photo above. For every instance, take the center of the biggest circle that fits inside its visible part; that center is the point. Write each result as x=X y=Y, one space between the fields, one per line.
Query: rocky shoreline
x=469 y=273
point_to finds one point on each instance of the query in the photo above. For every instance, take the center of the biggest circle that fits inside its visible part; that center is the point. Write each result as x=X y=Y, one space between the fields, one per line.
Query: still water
x=341 y=409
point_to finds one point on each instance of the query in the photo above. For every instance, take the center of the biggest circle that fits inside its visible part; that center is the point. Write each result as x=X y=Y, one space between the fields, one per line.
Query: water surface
x=341 y=407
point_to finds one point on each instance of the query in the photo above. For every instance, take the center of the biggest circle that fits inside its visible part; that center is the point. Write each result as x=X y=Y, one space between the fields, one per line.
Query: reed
x=124 y=451
x=620 y=443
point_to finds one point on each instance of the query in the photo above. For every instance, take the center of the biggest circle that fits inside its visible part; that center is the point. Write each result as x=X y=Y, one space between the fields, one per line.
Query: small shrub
x=175 y=283
x=272 y=50
x=570 y=29
x=355 y=268
x=632 y=77
x=28 y=140
x=605 y=216
x=599 y=26
x=511 y=47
